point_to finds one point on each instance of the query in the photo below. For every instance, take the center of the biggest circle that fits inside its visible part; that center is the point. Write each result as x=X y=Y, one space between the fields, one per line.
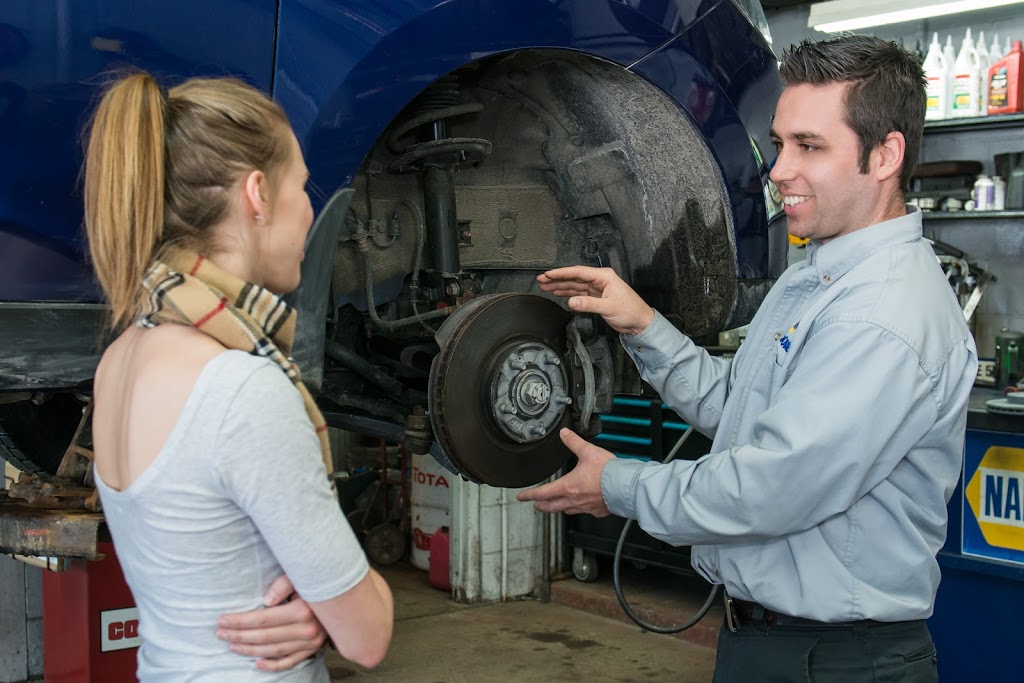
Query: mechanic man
x=839 y=425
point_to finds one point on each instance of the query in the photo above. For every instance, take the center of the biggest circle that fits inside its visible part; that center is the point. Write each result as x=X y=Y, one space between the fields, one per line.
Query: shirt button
x=826 y=279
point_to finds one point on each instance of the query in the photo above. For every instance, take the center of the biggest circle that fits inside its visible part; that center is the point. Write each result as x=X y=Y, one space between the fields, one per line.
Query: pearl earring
x=259 y=217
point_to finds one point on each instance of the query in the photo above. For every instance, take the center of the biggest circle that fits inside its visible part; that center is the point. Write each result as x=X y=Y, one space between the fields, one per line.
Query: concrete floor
x=439 y=641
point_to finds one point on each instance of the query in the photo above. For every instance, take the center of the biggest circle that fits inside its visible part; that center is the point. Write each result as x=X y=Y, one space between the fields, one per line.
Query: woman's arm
x=269 y=464
x=282 y=635
x=360 y=621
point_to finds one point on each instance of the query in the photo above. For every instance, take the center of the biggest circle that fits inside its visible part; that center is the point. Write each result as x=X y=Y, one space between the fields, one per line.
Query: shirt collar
x=835 y=259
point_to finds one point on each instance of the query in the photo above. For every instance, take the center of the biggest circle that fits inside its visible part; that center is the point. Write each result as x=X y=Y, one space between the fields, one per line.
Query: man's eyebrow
x=802 y=136
x=808 y=137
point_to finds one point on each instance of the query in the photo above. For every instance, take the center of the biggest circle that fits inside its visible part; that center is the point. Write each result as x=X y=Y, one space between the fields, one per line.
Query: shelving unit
x=993 y=122
x=971 y=215
x=946 y=142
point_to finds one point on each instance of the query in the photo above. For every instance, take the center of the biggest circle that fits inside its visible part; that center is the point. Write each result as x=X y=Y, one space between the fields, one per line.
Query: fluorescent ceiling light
x=850 y=15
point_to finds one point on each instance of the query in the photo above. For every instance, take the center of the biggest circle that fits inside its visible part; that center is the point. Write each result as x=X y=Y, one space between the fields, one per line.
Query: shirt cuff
x=632 y=339
x=617 y=480
x=656 y=346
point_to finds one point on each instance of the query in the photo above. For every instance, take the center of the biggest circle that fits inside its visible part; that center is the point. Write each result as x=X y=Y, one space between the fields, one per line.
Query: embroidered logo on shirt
x=785 y=341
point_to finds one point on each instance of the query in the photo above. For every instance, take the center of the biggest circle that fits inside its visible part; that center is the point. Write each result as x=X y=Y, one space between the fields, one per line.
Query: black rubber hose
x=617 y=562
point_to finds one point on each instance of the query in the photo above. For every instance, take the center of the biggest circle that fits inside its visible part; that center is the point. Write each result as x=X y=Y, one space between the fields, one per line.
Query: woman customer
x=210 y=453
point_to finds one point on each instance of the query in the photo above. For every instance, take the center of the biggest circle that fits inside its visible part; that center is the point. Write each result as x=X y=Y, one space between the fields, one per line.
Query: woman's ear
x=255 y=190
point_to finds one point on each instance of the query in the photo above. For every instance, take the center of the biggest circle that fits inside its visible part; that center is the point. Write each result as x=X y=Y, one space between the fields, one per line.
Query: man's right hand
x=601 y=291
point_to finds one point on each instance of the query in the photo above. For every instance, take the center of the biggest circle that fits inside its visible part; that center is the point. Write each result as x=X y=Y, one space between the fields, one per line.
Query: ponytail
x=124 y=189
x=159 y=171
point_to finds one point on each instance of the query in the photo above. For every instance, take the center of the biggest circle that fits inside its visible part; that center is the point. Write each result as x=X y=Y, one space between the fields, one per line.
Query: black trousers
x=824 y=653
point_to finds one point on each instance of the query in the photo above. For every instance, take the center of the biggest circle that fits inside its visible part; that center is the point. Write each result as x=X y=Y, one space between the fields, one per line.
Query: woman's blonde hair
x=159 y=168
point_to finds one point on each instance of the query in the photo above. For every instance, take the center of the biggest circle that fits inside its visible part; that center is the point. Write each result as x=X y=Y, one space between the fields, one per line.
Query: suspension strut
x=436 y=156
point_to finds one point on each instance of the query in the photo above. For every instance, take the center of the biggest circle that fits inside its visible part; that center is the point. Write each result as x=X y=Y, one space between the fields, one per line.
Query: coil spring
x=436 y=103
x=441 y=94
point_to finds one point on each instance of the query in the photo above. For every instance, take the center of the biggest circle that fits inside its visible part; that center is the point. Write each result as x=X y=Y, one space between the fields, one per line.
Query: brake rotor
x=499 y=389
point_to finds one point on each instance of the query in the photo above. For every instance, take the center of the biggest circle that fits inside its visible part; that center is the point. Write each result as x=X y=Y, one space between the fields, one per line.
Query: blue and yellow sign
x=993 y=523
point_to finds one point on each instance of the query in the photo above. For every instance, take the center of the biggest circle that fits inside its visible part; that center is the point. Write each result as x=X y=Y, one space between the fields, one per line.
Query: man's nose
x=782 y=168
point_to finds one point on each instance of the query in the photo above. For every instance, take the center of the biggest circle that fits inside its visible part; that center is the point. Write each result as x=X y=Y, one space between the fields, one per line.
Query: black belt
x=743 y=612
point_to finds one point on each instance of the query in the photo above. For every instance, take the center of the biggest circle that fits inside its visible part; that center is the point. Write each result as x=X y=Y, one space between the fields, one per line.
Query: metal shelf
x=993 y=122
x=971 y=215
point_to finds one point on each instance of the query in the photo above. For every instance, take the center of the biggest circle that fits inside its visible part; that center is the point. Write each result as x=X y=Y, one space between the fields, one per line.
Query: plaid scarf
x=188 y=289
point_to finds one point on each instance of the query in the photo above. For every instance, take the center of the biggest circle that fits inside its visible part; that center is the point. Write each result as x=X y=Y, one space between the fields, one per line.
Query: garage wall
x=995 y=245
x=21 y=616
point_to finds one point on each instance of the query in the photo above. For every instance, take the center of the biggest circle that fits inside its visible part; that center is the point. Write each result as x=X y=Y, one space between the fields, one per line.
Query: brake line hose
x=617 y=561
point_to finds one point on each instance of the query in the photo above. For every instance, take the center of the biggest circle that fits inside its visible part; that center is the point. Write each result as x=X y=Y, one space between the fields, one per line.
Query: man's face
x=818 y=165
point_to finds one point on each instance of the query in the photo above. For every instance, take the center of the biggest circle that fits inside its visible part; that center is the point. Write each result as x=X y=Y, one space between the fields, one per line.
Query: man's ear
x=889 y=156
x=256 y=195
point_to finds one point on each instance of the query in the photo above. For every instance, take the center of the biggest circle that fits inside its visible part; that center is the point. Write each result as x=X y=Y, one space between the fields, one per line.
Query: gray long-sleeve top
x=838 y=434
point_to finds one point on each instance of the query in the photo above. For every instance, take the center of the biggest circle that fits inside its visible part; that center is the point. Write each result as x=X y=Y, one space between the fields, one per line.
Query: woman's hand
x=282 y=634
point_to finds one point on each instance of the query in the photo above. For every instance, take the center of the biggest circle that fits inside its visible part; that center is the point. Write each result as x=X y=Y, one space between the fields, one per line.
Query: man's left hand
x=579 y=490
x=281 y=635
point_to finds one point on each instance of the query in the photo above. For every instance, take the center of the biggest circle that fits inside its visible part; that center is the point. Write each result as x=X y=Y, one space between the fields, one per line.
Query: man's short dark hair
x=886 y=93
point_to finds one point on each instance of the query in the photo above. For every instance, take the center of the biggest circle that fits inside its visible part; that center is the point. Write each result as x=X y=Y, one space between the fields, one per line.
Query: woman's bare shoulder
x=142 y=383
x=167 y=351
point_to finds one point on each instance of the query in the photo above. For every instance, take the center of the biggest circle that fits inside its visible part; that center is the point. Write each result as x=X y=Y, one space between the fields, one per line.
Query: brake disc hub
x=529 y=391
x=499 y=389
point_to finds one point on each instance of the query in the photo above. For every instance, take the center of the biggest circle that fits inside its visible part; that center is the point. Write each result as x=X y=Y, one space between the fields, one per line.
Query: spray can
x=936 y=72
x=984 y=194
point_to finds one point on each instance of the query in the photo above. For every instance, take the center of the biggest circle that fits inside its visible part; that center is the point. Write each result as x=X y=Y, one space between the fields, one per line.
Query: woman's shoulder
x=174 y=356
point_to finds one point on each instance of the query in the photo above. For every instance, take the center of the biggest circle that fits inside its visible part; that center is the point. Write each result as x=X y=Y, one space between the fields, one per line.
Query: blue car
x=457 y=149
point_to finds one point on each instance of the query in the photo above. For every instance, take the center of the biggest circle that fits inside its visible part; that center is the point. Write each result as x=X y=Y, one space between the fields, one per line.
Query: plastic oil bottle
x=1006 y=91
x=995 y=53
x=966 y=80
x=937 y=75
x=949 y=53
x=983 y=65
x=936 y=72
x=984 y=194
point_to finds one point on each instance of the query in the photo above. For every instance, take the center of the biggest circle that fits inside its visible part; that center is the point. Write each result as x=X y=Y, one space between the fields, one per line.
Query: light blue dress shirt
x=838 y=434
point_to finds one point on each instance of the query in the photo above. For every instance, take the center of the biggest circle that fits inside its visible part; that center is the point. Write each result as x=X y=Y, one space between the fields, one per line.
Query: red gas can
x=440 y=575
x=90 y=623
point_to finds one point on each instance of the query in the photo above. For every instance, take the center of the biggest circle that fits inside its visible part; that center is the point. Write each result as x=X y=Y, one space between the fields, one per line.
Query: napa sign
x=994 y=513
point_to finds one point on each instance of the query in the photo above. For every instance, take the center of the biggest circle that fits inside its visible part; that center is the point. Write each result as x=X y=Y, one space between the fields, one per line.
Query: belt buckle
x=731 y=619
